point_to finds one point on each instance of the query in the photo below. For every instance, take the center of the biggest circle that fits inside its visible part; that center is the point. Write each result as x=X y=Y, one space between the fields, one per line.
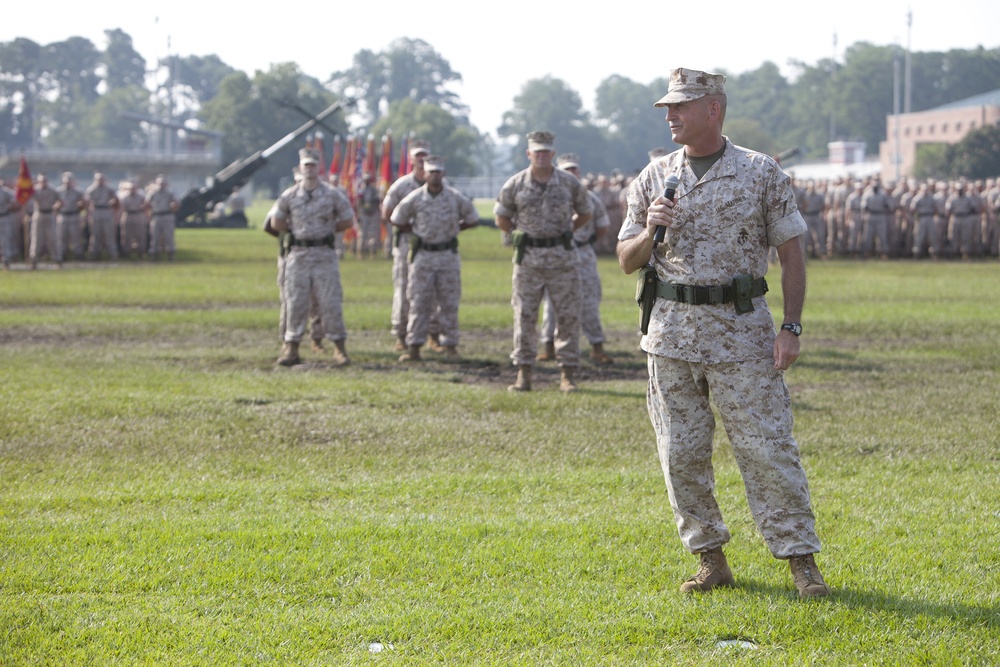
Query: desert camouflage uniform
x=161 y=222
x=102 y=221
x=854 y=224
x=963 y=214
x=590 y=279
x=435 y=276
x=925 y=231
x=134 y=225
x=369 y=221
x=69 y=223
x=724 y=225
x=400 y=266
x=877 y=207
x=836 y=197
x=813 y=203
x=313 y=271
x=545 y=212
x=44 y=236
x=8 y=207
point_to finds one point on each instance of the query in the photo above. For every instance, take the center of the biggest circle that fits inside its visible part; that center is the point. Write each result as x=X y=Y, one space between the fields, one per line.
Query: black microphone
x=668 y=193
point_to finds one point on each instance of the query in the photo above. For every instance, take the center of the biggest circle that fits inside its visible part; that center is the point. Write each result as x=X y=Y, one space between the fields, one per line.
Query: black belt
x=446 y=245
x=699 y=295
x=163 y=212
x=592 y=240
x=101 y=207
x=548 y=241
x=64 y=213
x=313 y=243
x=45 y=210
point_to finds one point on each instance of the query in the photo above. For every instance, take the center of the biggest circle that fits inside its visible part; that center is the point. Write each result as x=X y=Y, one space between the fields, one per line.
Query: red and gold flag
x=385 y=169
x=404 y=157
x=318 y=146
x=335 y=162
x=24 y=188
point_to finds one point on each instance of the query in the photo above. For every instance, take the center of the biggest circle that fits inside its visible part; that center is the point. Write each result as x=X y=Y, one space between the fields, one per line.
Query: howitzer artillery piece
x=200 y=202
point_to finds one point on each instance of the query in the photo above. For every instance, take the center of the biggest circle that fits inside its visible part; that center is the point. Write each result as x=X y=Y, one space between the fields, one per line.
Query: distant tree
x=196 y=79
x=253 y=114
x=21 y=70
x=409 y=69
x=102 y=125
x=449 y=136
x=72 y=84
x=977 y=155
x=123 y=66
x=750 y=134
x=549 y=104
x=932 y=161
x=632 y=125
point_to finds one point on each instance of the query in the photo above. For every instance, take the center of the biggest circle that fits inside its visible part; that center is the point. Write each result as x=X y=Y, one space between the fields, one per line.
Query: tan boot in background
x=713 y=572
x=807 y=577
x=340 y=357
x=523 y=382
x=412 y=354
x=598 y=356
x=434 y=343
x=451 y=352
x=547 y=353
x=289 y=355
x=317 y=346
x=400 y=344
x=566 y=383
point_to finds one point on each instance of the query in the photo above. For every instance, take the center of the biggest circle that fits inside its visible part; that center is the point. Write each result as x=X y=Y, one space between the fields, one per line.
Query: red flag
x=24 y=188
x=335 y=162
x=347 y=169
x=369 y=165
x=404 y=157
x=385 y=170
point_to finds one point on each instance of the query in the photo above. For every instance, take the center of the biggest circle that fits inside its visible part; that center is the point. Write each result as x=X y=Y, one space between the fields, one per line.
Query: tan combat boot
x=598 y=355
x=451 y=352
x=317 y=346
x=807 y=577
x=547 y=353
x=412 y=354
x=340 y=353
x=566 y=383
x=523 y=382
x=714 y=571
x=289 y=355
x=400 y=344
x=434 y=343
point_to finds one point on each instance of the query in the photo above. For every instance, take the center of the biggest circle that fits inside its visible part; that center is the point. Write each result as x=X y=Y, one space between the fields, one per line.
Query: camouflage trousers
x=400 y=315
x=434 y=289
x=369 y=232
x=590 y=301
x=876 y=230
x=755 y=406
x=313 y=273
x=815 y=236
x=102 y=236
x=530 y=283
x=44 y=239
x=315 y=324
x=927 y=236
x=161 y=235
x=134 y=230
x=964 y=233
x=69 y=241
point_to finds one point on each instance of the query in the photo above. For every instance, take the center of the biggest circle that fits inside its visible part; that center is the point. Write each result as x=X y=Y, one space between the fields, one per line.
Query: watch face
x=795 y=328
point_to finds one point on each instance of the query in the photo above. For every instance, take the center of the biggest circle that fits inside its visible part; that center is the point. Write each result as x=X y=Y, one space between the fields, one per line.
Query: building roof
x=990 y=99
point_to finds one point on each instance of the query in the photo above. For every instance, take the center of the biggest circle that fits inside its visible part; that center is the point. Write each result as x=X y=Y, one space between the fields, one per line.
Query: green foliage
x=448 y=135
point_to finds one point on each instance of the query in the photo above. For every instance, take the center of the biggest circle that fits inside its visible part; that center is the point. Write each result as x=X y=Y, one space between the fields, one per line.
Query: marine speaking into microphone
x=668 y=193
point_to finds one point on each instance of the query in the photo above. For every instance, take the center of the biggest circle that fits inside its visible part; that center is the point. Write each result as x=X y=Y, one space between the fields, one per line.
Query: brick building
x=946 y=124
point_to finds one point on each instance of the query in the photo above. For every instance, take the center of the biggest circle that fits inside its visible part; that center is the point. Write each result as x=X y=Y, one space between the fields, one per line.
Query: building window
x=958 y=128
x=920 y=130
x=944 y=128
x=906 y=132
x=930 y=129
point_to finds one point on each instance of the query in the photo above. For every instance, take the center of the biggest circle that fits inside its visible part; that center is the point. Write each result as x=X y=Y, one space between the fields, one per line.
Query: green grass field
x=168 y=497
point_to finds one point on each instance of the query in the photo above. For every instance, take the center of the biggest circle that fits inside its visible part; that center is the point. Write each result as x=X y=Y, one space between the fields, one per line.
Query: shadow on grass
x=987 y=616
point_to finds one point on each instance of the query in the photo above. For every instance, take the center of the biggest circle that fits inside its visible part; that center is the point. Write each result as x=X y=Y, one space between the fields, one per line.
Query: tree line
x=72 y=94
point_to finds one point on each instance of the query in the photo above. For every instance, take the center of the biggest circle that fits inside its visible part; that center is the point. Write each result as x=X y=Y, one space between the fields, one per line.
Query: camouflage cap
x=433 y=163
x=308 y=156
x=419 y=147
x=568 y=161
x=541 y=141
x=657 y=152
x=690 y=84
